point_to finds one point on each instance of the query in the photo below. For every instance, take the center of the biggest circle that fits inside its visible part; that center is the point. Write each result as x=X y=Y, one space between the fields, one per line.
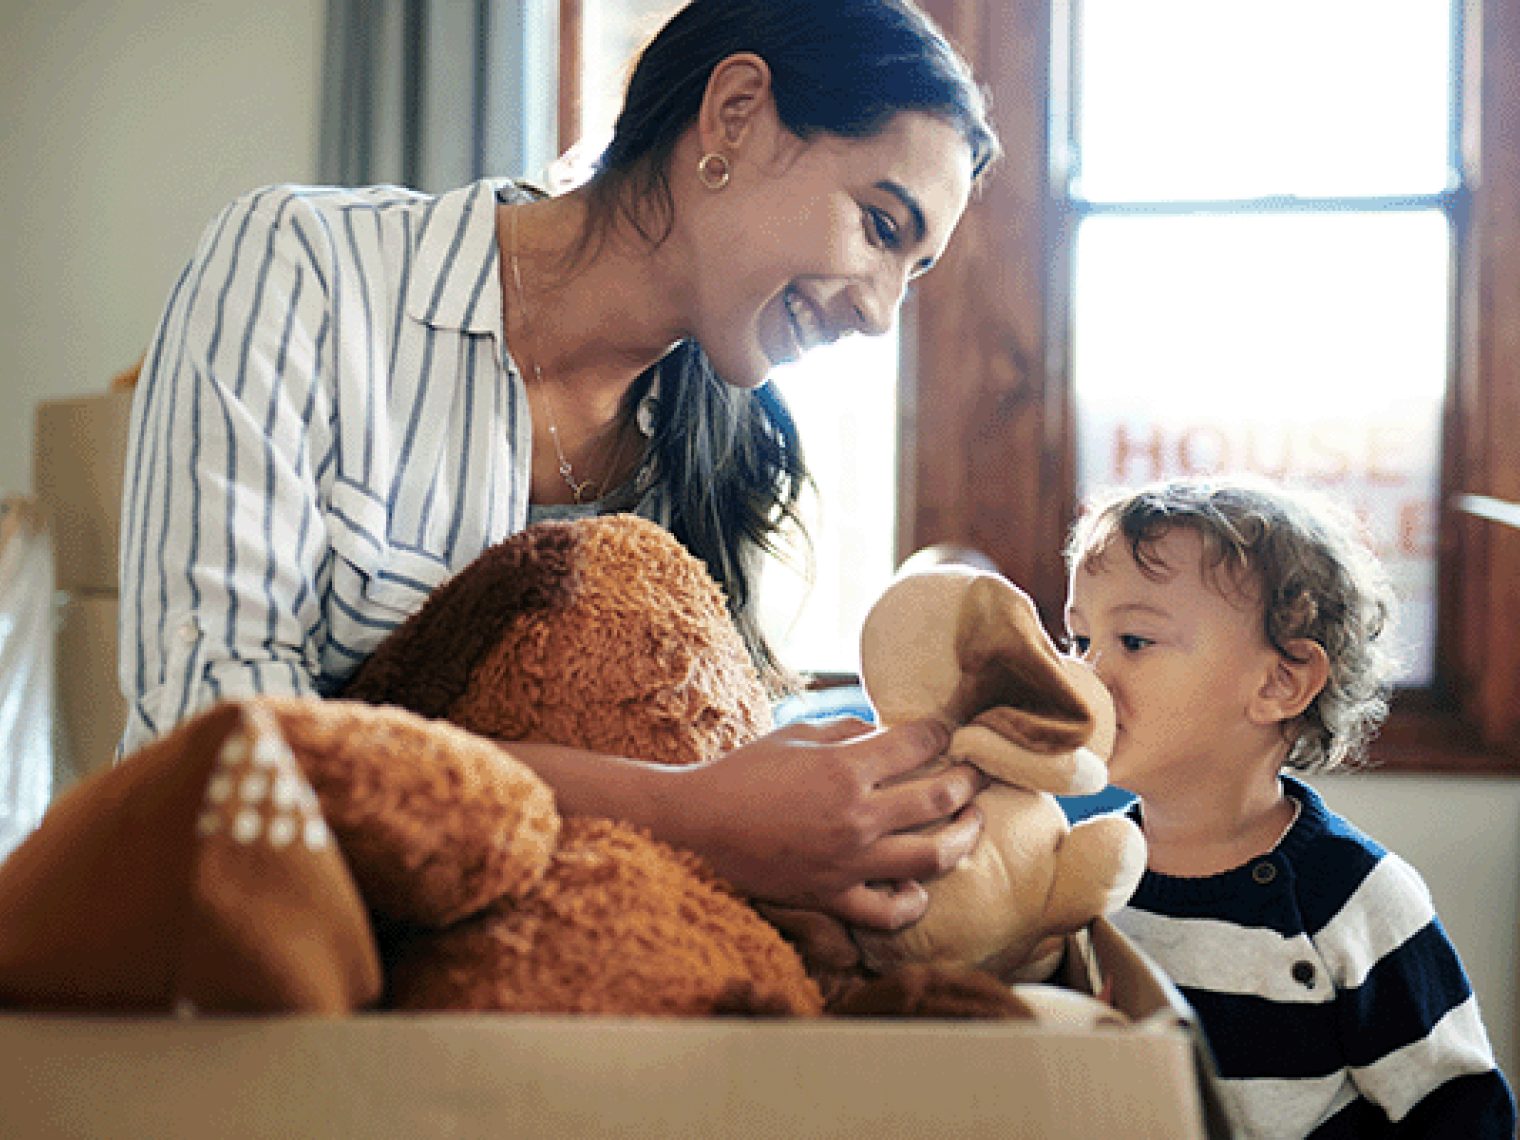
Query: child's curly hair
x=1314 y=576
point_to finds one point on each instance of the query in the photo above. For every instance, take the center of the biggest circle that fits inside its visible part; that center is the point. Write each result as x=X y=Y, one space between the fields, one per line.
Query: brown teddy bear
x=606 y=634
x=341 y=854
x=601 y=634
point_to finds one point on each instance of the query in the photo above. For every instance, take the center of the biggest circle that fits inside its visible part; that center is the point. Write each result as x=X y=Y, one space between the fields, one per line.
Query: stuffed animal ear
x=427 y=662
x=969 y=648
x=908 y=657
x=198 y=873
x=1014 y=681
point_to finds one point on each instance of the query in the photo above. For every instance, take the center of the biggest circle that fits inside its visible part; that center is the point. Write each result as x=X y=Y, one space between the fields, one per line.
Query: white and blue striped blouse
x=327 y=426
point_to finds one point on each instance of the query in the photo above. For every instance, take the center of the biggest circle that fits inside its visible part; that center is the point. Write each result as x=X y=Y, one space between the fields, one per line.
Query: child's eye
x=883 y=227
x=1077 y=644
x=1133 y=643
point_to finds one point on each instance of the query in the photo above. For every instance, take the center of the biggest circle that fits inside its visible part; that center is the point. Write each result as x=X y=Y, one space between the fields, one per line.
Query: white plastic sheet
x=26 y=671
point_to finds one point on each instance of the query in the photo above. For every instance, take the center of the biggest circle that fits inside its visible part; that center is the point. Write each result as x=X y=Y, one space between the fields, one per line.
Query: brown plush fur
x=434 y=822
x=487 y=900
x=455 y=862
x=590 y=634
x=601 y=634
x=620 y=924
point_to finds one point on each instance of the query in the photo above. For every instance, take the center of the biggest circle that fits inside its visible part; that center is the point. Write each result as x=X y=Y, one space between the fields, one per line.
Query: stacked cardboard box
x=79 y=451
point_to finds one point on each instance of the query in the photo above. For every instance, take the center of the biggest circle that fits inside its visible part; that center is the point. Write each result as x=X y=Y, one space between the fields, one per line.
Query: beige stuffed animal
x=968 y=647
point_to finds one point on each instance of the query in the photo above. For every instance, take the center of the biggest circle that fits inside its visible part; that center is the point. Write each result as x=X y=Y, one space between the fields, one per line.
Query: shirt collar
x=455 y=280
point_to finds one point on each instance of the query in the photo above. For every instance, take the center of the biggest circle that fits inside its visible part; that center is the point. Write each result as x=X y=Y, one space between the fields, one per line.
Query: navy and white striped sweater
x=1333 y=1001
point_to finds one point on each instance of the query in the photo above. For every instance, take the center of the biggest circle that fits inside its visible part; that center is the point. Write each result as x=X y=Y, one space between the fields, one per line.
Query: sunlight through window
x=845 y=400
x=1262 y=267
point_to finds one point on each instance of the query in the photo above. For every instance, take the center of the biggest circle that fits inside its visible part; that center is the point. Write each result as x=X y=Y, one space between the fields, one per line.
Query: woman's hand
x=821 y=816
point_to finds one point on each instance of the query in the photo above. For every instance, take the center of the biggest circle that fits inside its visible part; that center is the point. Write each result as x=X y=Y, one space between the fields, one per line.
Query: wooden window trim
x=989 y=460
x=568 y=125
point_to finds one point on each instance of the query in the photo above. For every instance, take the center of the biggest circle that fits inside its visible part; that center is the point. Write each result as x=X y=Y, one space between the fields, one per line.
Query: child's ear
x=1293 y=681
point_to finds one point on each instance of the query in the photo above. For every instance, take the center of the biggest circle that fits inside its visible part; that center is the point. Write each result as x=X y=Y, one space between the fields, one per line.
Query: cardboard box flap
x=382 y=1075
x=79 y=452
x=1148 y=997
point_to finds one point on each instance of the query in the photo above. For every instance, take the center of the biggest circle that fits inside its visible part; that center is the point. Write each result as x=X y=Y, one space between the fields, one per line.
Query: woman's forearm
x=811 y=815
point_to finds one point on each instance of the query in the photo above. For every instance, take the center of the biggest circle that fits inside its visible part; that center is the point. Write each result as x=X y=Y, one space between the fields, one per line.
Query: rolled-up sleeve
x=223 y=546
x=327 y=426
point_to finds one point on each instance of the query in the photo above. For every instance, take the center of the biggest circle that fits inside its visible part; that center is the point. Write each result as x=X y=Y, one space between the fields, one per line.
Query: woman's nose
x=877 y=299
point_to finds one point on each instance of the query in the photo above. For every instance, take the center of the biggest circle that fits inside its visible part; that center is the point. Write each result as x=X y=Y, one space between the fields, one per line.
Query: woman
x=355 y=392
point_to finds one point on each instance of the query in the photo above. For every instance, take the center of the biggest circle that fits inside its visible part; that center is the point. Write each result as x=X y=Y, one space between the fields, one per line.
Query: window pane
x=845 y=400
x=1226 y=99
x=614 y=32
x=1306 y=347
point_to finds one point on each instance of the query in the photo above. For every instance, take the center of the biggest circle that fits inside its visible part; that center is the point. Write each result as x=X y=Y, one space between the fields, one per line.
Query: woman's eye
x=1133 y=643
x=883 y=227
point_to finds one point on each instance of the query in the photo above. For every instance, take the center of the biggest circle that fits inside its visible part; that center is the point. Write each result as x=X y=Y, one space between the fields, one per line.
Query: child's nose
x=1100 y=666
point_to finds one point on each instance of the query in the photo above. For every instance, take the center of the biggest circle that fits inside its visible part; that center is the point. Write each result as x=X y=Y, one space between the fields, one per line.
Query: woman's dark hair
x=728 y=466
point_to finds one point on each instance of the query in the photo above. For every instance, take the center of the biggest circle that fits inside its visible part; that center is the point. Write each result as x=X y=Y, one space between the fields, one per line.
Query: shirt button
x=1303 y=973
x=188 y=633
x=1264 y=873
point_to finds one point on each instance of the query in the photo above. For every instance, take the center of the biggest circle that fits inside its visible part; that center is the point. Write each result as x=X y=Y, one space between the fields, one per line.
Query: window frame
x=997 y=360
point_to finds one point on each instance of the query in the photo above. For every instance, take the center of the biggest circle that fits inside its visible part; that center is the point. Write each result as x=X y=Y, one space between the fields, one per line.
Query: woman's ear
x=738 y=93
x=1293 y=680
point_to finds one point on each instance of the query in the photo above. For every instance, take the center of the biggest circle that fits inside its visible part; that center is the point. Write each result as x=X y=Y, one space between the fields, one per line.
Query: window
x=1261 y=275
x=1062 y=266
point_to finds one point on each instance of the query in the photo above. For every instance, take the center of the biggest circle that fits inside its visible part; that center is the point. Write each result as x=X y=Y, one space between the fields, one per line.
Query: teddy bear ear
x=1014 y=680
x=425 y=664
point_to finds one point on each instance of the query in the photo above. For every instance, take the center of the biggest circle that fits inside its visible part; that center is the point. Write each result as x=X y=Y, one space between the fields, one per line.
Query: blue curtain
x=437 y=94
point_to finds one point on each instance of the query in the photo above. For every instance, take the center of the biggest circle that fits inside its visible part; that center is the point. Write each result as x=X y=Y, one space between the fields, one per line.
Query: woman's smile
x=804 y=322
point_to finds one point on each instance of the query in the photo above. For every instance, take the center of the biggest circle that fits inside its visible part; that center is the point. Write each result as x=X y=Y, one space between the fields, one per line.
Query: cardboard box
x=88 y=708
x=79 y=451
x=382 y=1075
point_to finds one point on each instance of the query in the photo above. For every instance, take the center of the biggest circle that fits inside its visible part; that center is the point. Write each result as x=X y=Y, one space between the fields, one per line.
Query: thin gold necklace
x=578 y=487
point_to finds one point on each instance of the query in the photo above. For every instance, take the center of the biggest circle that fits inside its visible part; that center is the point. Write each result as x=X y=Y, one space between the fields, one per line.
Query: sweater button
x=1303 y=973
x=1264 y=873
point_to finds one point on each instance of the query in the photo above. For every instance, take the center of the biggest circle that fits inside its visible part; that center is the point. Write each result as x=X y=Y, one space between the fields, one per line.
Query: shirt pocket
x=394 y=580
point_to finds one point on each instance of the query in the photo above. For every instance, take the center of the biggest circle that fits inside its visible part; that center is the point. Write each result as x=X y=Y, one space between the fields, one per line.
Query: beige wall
x=1463 y=835
x=128 y=124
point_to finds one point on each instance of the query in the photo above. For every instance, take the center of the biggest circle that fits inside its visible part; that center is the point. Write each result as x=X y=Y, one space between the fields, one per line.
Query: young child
x=1238 y=626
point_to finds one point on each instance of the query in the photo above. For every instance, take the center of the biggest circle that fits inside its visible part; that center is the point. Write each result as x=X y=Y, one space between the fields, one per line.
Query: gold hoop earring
x=713 y=170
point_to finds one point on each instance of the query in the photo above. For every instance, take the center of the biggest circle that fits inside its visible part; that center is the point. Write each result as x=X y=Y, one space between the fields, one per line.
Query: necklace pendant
x=577 y=488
